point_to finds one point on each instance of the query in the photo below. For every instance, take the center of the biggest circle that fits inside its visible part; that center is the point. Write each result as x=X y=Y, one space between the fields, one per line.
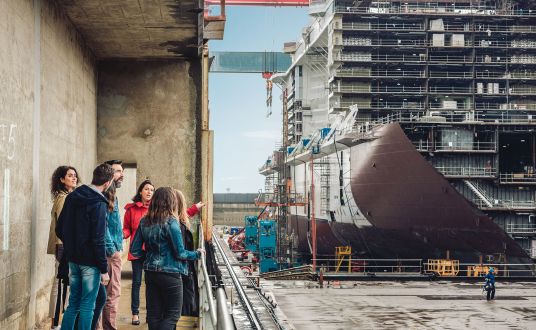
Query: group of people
x=86 y=238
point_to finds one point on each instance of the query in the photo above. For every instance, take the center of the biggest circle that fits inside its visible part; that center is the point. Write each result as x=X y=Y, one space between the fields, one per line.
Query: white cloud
x=263 y=134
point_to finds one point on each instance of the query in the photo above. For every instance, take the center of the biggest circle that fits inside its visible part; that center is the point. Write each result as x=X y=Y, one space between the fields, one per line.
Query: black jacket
x=81 y=227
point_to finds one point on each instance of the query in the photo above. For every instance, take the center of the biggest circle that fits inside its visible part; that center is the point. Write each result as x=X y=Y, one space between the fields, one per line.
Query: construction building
x=459 y=77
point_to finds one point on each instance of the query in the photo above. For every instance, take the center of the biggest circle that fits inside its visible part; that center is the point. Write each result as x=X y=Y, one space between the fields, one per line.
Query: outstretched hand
x=200 y=205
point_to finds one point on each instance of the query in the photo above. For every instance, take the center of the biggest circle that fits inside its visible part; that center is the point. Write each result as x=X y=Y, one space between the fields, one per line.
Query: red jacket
x=133 y=214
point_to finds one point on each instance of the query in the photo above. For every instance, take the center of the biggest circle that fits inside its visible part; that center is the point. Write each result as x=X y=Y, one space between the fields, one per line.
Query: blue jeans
x=84 y=286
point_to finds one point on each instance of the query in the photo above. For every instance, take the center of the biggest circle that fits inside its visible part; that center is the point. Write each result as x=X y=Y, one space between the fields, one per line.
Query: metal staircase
x=479 y=192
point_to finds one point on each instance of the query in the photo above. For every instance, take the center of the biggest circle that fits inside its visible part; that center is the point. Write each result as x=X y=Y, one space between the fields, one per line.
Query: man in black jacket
x=81 y=227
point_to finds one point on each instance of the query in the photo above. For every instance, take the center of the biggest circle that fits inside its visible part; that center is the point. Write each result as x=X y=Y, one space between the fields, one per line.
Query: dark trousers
x=137 y=271
x=190 y=295
x=163 y=295
x=491 y=292
x=99 y=305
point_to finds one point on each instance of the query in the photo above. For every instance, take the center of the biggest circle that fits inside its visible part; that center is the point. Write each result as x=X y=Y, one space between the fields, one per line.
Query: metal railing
x=506 y=204
x=422 y=145
x=462 y=171
x=517 y=178
x=466 y=146
x=504 y=106
x=416 y=267
x=417 y=9
x=379 y=89
x=379 y=73
x=381 y=106
x=383 y=26
x=450 y=90
x=207 y=305
x=382 y=42
x=522 y=90
x=529 y=229
x=364 y=57
x=447 y=74
x=367 y=266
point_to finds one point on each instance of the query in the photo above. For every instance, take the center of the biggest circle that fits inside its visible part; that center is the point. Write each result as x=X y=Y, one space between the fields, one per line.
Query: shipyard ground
x=410 y=305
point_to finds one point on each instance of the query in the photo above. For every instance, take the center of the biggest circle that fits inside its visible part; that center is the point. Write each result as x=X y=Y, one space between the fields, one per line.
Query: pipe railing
x=439 y=10
x=379 y=73
x=206 y=299
x=507 y=205
x=364 y=266
x=517 y=178
x=463 y=171
x=529 y=228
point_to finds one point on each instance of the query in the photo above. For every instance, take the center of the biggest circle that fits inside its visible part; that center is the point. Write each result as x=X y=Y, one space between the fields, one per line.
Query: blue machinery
x=260 y=239
x=252 y=232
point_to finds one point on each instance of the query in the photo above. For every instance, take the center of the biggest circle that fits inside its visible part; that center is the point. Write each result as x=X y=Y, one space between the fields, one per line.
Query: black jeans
x=137 y=271
x=163 y=295
x=491 y=292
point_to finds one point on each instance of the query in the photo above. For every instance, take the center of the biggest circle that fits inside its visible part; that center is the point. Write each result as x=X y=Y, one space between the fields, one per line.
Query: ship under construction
x=408 y=132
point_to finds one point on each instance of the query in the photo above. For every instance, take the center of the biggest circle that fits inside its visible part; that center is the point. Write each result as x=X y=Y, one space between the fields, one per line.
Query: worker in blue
x=489 y=286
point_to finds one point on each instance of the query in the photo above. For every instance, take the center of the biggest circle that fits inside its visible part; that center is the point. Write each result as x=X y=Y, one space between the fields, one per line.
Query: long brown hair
x=163 y=206
x=181 y=213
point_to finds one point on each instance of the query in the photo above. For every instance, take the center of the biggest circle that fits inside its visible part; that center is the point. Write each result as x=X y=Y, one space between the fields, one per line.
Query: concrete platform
x=411 y=305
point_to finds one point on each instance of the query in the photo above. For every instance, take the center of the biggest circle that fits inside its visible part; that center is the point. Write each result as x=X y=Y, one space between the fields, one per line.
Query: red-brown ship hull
x=413 y=210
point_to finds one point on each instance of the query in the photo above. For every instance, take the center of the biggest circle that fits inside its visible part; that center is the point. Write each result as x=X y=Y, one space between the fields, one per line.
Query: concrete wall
x=148 y=116
x=48 y=88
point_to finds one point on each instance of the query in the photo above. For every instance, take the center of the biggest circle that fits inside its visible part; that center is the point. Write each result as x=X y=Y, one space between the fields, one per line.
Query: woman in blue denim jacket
x=164 y=258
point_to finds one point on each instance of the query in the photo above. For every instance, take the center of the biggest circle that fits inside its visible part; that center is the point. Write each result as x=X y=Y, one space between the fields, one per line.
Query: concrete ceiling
x=138 y=28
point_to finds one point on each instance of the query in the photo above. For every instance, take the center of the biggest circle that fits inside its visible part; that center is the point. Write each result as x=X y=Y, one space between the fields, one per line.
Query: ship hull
x=411 y=210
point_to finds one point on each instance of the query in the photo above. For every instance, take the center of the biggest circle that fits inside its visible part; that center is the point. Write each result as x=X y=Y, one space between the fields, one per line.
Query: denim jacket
x=114 y=231
x=164 y=247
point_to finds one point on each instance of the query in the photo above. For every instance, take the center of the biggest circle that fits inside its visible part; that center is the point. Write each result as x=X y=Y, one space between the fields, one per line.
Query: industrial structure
x=408 y=131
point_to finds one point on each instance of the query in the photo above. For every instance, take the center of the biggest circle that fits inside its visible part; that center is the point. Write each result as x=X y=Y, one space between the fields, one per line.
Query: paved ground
x=124 y=318
x=411 y=305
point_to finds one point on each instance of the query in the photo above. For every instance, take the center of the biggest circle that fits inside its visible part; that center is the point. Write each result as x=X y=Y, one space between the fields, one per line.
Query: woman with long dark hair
x=133 y=214
x=165 y=258
x=63 y=181
x=190 y=288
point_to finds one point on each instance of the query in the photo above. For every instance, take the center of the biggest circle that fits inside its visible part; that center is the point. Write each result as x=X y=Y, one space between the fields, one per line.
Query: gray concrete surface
x=138 y=29
x=410 y=305
x=147 y=116
x=48 y=116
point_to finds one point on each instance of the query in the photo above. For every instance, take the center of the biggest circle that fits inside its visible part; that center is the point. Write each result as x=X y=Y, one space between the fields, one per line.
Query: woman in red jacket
x=133 y=214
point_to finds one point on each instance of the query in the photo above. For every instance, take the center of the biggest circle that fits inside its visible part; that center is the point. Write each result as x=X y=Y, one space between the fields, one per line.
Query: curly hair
x=56 y=186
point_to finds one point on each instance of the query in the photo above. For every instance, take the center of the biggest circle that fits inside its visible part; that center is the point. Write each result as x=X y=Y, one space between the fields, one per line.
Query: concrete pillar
x=149 y=116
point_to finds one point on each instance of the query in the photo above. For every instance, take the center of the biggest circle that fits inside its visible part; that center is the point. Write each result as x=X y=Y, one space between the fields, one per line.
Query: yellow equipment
x=342 y=252
x=443 y=267
x=478 y=270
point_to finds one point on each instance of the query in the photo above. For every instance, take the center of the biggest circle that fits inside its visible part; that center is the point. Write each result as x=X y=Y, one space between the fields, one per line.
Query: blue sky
x=243 y=136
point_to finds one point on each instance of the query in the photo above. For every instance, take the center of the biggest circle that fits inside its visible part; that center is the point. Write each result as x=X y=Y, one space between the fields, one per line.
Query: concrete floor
x=124 y=318
x=411 y=305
